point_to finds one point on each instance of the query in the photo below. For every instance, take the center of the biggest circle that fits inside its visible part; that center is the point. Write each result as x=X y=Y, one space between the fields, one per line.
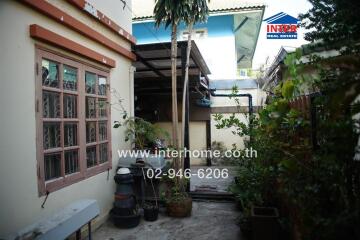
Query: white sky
x=270 y=47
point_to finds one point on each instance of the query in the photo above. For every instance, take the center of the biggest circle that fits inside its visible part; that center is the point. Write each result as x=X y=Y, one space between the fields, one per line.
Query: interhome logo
x=281 y=26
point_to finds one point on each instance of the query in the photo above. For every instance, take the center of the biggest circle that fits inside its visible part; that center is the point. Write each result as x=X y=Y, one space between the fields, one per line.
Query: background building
x=226 y=42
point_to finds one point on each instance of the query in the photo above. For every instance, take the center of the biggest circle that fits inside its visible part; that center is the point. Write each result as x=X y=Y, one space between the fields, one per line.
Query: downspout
x=132 y=69
x=248 y=95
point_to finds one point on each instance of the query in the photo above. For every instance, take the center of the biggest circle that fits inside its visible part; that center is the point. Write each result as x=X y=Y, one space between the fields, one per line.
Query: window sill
x=57 y=184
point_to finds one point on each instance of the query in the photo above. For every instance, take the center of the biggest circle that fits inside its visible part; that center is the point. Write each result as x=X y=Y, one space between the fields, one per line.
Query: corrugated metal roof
x=229 y=84
x=143 y=9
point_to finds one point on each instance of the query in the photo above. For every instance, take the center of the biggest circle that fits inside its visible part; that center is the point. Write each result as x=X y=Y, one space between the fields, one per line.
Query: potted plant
x=178 y=202
x=151 y=211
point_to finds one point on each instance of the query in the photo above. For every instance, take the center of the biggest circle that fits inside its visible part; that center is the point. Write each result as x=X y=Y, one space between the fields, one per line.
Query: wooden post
x=89 y=230
x=186 y=133
x=208 y=141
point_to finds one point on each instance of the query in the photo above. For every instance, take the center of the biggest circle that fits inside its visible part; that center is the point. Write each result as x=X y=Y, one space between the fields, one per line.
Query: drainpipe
x=248 y=95
x=132 y=69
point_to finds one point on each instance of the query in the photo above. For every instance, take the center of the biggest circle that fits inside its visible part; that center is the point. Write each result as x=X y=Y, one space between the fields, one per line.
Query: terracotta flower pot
x=179 y=208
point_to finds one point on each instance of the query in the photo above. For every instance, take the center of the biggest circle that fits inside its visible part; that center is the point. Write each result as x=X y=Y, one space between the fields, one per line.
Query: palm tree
x=171 y=12
x=198 y=13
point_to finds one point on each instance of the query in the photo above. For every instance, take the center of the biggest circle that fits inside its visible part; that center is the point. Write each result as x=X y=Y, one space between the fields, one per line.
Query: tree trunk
x=174 y=91
x=186 y=80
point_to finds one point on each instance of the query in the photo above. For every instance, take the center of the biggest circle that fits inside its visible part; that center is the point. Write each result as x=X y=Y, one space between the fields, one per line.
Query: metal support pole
x=208 y=141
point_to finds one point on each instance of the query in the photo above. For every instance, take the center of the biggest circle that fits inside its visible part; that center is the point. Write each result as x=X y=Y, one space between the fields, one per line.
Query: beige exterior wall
x=226 y=102
x=116 y=11
x=225 y=135
x=20 y=203
x=197 y=138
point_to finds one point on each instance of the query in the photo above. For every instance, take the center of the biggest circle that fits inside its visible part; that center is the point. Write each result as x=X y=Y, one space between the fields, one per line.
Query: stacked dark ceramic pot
x=125 y=213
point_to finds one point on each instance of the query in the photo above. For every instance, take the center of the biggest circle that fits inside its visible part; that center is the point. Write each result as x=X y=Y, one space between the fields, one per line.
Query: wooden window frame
x=84 y=172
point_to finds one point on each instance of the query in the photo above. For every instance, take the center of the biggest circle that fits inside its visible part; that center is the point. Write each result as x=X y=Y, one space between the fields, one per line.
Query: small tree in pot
x=172 y=13
x=178 y=202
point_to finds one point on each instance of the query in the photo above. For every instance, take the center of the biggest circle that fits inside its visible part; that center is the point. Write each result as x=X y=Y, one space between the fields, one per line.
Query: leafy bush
x=319 y=186
x=140 y=132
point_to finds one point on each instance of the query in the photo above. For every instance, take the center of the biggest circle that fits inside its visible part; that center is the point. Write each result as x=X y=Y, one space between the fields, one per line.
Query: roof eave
x=211 y=12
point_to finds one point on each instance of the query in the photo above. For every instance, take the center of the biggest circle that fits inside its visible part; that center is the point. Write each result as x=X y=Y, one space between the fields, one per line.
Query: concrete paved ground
x=209 y=221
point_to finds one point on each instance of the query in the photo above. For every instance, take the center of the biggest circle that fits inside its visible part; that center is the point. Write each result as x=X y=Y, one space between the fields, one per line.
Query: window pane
x=50 y=76
x=71 y=162
x=51 y=135
x=70 y=134
x=102 y=108
x=90 y=132
x=102 y=85
x=70 y=78
x=102 y=130
x=51 y=104
x=70 y=106
x=90 y=82
x=52 y=166
x=103 y=152
x=91 y=156
x=90 y=107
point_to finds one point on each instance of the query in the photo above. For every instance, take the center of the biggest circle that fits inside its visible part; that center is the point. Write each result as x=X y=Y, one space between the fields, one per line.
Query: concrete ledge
x=61 y=225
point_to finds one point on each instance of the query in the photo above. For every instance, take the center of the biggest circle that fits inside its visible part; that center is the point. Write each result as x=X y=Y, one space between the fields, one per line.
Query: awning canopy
x=153 y=68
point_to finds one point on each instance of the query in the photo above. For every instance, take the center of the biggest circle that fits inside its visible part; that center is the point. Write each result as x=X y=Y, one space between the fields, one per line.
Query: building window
x=196 y=34
x=243 y=72
x=73 y=121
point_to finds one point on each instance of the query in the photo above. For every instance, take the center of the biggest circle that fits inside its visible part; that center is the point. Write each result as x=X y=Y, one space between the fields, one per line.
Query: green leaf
x=287 y=90
x=117 y=124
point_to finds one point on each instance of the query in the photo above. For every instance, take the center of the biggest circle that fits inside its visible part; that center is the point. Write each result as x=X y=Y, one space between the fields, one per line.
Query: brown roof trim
x=47 y=36
x=212 y=12
x=72 y=23
x=102 y=18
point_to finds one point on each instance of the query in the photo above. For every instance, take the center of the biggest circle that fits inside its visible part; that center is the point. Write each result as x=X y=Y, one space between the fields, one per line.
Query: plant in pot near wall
x=177 y=200
x=256 y=180
x=151 y=211
x=251 y=190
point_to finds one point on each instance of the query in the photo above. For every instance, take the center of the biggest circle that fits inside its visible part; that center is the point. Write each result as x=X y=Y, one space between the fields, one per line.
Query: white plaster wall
x=244 y=101
x=197 y=137
x=115 y=10
x=122 y=18
x=225 y=135
x=20 y=204
x=198 y=141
